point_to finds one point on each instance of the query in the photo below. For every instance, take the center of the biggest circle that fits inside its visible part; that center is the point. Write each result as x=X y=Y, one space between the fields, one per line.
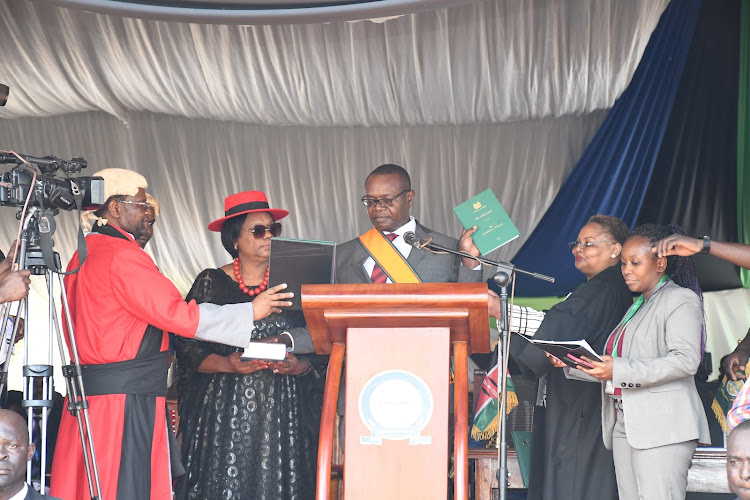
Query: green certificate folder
x=494 y=227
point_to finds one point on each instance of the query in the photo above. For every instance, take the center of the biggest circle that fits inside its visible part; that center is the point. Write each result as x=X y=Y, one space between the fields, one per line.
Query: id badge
x=609 y=388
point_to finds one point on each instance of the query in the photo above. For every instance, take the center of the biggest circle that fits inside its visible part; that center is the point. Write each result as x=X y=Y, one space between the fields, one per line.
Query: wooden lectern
x=398 y=338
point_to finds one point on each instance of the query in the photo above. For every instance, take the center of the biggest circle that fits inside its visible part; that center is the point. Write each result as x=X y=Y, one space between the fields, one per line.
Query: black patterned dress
x=243 y=436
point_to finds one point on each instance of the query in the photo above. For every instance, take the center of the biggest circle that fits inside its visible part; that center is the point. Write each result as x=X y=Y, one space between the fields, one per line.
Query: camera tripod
x=34 y=254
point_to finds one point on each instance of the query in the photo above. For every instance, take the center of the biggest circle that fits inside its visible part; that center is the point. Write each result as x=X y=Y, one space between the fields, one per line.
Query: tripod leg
x=38 y=397
x=37 y=403
x=77 y=403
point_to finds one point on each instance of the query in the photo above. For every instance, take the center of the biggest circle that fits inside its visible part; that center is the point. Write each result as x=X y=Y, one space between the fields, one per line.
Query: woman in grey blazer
x=652 y=416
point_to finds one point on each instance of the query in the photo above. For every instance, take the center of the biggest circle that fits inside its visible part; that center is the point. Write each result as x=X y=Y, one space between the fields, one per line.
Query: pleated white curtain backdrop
x=488 y=61
x=493 y=93
x=315 y=172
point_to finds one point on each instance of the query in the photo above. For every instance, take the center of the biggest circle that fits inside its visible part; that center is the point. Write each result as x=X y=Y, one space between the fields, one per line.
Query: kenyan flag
x=485 y=419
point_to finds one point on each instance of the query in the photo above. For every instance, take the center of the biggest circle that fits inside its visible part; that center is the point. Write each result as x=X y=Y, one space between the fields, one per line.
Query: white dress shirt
x=21 y=494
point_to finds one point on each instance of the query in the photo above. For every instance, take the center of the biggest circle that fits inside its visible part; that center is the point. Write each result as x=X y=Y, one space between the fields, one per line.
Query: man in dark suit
x=388 y=198
x=15 y=451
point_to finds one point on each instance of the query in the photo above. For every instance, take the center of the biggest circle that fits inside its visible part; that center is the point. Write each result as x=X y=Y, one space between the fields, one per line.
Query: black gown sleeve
x=581 y=316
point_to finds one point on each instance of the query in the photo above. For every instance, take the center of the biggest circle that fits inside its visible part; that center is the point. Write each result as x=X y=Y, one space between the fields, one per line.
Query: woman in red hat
x=243 y=435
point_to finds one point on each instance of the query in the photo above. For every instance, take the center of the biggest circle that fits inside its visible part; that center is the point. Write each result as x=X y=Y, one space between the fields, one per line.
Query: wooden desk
x=485 y=470
x=708 y=473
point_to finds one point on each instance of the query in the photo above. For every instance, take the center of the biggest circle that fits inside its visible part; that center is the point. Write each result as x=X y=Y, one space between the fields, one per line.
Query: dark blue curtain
x=694 y=184
x=612 y=175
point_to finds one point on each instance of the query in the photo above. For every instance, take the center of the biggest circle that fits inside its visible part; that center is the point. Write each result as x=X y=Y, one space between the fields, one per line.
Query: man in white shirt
x=388 y=198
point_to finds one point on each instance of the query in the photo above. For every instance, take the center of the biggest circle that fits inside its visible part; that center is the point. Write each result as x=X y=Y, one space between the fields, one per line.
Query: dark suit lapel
x=359 y=259
x=417 y=255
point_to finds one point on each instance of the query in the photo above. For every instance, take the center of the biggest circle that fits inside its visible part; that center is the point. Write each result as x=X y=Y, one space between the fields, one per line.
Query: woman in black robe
x=569 y=459
x=245 y=427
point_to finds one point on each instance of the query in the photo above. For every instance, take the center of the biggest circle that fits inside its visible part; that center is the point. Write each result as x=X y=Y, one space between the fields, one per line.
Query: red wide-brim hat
x=245 y=203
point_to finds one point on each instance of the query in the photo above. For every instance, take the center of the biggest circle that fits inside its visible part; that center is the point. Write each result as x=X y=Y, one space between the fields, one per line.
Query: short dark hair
x=392 y=169
x=230 y=231
x=616 y=228
x=742 y=426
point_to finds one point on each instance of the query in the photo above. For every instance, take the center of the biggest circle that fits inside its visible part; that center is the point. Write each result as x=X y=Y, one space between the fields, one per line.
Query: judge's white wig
x=117 y=181
x=154 y=203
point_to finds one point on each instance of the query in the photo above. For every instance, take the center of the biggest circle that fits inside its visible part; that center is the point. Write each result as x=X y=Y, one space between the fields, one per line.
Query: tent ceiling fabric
x=258 y=11
x=488 y=61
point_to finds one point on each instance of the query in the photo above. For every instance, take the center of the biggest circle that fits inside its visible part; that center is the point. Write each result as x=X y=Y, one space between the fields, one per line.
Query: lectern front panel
x=396 y=416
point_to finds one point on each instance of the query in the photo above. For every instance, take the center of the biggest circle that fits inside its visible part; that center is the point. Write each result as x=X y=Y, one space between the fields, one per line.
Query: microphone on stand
x=411 y=239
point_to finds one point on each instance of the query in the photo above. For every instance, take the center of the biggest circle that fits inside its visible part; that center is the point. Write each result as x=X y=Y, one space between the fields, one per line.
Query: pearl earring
x=614 y=256
x=236 y=246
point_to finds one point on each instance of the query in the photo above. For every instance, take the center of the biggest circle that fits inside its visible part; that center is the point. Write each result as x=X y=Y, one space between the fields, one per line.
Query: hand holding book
x=601 y=370
x=494 y=227
x=571 y=353
x=466 y=245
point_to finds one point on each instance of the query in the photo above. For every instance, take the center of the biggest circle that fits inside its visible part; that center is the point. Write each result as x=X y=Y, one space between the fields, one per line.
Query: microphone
x=411 y=239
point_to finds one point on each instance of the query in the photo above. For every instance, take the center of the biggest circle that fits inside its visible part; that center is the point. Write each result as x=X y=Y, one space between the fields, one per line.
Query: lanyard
x=620 y=330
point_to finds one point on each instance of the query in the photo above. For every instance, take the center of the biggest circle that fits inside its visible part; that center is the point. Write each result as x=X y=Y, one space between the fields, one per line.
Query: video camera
x=49 y=190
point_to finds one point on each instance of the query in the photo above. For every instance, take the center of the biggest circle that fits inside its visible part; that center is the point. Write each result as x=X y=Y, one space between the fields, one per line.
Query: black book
x=569 y=352
x=300 y=262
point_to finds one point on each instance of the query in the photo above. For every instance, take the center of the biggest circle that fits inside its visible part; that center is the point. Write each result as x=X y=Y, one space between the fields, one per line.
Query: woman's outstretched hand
x=235 y=364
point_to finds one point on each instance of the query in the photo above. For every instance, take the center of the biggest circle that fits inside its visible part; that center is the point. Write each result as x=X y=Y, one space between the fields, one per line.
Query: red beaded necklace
x=243 y=286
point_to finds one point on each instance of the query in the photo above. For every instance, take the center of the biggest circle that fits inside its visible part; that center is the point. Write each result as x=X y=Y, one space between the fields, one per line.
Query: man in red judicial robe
x=121 y=307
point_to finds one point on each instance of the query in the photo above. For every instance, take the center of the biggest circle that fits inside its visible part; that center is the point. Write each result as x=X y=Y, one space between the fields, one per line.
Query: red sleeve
x=144 y=292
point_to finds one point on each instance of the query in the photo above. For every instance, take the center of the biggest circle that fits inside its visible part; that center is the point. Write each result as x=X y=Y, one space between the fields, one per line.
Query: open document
x=569 y=352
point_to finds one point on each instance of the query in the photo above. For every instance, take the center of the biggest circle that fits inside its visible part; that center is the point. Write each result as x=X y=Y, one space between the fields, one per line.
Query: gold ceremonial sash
x=385 y=254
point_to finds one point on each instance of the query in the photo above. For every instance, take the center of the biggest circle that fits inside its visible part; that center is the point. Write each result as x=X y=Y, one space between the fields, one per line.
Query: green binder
x=494 y=227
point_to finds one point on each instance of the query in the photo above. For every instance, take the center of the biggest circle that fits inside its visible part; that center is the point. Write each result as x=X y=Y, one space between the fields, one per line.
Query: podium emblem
x=395 y=405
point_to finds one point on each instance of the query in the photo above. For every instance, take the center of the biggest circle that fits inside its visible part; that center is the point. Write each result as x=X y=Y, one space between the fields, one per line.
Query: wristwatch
x=706 y=245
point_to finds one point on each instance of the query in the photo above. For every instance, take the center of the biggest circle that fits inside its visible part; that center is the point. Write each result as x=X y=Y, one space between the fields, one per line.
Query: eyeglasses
x=146 y=206
x=383 y=202
x=259 y=231
x=587 y=244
